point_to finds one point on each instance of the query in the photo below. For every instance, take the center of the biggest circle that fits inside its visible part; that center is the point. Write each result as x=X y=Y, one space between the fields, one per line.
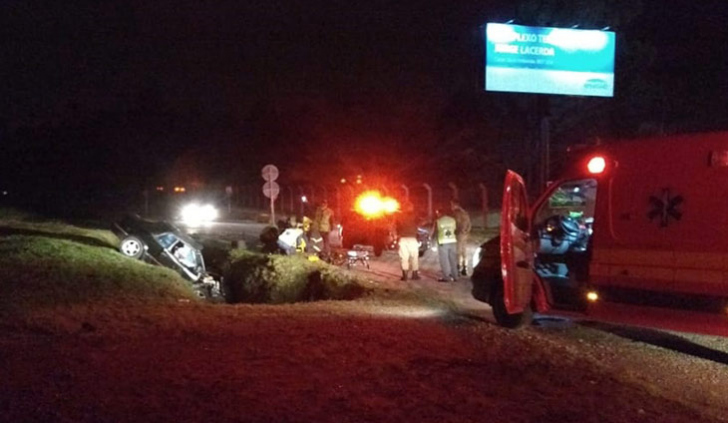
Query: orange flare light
x=372 y=205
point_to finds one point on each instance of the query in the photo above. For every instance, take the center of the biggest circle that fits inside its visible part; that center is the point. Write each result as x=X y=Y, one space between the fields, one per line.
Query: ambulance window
x=572 y=199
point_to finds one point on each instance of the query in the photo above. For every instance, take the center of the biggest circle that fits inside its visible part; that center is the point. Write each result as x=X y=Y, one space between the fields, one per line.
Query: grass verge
x=43 y=272
x=16 y=224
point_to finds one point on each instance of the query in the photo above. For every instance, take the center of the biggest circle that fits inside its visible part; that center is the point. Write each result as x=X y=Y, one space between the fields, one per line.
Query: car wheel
x=502 y=317
x=132 y=246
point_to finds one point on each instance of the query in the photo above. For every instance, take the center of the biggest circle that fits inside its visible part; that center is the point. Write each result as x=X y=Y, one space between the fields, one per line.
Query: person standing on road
x=462 y=230
x=444 y=234
x=322 y=223
x=406 y=226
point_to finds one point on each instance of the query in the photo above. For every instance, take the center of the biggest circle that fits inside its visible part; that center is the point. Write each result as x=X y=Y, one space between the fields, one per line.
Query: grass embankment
x=47 y=265
x=50 y=265
x=40 y=271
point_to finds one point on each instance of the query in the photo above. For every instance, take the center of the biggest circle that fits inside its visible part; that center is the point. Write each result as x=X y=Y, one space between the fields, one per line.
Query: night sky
x=112 y=96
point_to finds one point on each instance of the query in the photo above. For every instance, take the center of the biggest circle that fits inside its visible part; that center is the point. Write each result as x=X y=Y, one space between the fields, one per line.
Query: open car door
x=515 y=246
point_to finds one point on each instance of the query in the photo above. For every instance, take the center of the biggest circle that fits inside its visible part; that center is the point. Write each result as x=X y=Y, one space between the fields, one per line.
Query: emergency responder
x=406 y=227
x=444 y=233
x=322 y=223
x=462 y=230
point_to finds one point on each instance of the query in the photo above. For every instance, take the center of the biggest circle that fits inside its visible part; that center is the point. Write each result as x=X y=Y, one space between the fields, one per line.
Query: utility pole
x=544 y=121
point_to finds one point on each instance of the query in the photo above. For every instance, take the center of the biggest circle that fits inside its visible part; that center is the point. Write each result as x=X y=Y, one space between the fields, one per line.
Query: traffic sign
x=270 y=172
x=271 y=189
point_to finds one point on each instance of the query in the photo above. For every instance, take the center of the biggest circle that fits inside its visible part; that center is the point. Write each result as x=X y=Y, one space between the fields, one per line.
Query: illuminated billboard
x=543 y=60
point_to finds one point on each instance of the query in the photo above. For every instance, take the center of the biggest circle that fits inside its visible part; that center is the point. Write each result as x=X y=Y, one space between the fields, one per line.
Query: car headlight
x=192 y=213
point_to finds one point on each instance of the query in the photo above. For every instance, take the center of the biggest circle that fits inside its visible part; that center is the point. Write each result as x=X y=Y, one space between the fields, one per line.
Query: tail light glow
x=596 y=165
x=592 y=296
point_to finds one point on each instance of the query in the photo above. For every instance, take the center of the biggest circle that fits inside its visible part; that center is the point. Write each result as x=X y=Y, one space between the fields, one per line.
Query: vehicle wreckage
x=162 y=243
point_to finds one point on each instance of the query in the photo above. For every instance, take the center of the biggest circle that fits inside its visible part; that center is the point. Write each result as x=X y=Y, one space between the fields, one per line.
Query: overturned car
x=162 y=243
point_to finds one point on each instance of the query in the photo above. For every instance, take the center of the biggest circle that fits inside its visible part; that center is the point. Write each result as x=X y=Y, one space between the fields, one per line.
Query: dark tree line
x=130 y=104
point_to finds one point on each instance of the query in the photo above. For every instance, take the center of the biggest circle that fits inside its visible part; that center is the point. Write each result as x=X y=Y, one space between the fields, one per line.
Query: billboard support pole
x=545 y=150
x=544 y=112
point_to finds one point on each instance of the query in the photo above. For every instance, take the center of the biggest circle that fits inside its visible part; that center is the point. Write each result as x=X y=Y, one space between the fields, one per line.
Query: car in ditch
x=162 y=243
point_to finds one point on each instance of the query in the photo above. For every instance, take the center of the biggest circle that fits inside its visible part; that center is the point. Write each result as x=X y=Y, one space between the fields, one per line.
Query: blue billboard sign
x=544 y=60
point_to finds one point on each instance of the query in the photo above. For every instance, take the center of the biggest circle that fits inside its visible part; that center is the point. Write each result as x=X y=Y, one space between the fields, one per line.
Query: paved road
x=247 y=231
x=385 y=271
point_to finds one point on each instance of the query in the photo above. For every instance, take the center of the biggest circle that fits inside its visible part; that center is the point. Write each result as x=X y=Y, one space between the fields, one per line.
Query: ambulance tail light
x=592 y=296
x=596 y=165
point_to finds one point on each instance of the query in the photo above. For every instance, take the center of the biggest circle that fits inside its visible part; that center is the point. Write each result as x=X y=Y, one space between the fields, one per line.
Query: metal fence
x=480 y=200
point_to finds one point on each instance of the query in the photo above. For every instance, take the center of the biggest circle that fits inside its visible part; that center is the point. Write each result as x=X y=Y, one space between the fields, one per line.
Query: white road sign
x=270 y=172
x=271 y=189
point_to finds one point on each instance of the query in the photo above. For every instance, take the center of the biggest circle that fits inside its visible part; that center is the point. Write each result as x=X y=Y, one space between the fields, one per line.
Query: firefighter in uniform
x=462 y=230
x=444 y=233
x=322 y=224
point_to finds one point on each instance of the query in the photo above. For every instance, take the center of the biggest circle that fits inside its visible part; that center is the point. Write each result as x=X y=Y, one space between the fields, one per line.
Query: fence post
x=290 y=199
x=300 y=200
x=484 y=200
x=313 y=194
x=429 y=200
x=455 y=191
x=338 y=203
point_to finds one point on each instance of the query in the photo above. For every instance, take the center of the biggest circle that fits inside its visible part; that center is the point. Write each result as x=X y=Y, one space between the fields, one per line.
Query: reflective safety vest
x=446 y=230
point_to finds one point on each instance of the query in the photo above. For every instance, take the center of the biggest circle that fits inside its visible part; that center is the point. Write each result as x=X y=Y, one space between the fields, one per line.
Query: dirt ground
x=437 y=358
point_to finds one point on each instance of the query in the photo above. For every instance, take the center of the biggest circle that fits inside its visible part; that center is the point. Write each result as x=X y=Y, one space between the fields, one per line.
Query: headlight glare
x=192 y=213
